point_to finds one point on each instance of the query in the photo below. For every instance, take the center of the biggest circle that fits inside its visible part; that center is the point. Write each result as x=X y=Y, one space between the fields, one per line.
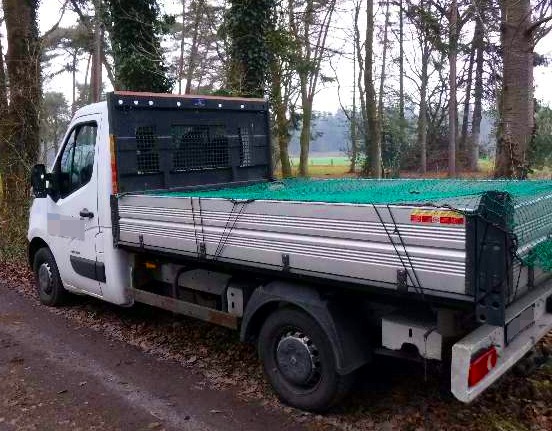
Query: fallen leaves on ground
x=392 y=395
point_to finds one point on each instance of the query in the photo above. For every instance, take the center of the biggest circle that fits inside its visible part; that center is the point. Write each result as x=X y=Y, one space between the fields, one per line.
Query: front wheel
x=299 y=361
x=48 y=282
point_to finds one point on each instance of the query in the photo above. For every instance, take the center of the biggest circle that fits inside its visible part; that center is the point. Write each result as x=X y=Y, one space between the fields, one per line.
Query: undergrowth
x=13 y=231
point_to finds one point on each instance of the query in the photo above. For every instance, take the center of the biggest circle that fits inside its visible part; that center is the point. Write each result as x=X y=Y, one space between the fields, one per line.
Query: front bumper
x=508 y=354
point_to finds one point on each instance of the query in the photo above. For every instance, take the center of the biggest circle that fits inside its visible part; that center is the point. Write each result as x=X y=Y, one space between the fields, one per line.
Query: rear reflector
x=481 y=365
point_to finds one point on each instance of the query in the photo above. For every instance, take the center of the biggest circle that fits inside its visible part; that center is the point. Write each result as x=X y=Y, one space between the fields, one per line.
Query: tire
x=48 y=282
x=299 y=362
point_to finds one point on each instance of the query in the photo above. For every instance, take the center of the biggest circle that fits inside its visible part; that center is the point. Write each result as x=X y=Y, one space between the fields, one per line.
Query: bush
x=540 y=150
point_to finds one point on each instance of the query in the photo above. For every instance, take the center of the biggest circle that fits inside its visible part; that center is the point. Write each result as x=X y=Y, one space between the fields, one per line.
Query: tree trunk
x=402 y=119
x=310 y=41
x=353 y=121
x=282 y=130
x=464 y=149
x=3 y=116
x=86 y=74
x=304 y=139
x=383 y=64
x=23 y=67
x=516 y=105
x=248 y=25
x=74 y=83
x=96 y=75
x=360 y=85
x=3 y=84
x=181 y=58
x=135 y=33
x=453 y=108
x=373 y=137
x=283 y=141
x=109 y=71
x=198 y=6
x=421 y=140
x=354 y=146
x=478 y=95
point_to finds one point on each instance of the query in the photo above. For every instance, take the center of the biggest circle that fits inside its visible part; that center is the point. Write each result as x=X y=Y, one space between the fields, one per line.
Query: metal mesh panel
x=147 y=151
x=199 y=147
x=245 y=148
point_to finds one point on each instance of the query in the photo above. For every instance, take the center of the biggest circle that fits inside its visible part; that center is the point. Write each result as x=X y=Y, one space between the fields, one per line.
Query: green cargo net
x=527 y=209
x=363 y=191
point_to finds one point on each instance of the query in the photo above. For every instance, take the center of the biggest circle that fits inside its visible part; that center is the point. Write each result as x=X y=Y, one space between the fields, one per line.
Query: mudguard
x=344 y=329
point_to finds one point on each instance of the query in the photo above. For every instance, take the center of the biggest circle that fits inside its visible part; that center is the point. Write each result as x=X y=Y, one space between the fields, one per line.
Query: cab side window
x=77 y=160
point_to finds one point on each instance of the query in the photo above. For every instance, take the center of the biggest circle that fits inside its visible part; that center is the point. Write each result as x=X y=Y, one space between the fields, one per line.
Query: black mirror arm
x=38 y=181
x=52 y=189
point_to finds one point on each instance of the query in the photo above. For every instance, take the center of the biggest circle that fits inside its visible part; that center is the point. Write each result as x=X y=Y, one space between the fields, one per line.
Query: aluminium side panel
x=345 y=242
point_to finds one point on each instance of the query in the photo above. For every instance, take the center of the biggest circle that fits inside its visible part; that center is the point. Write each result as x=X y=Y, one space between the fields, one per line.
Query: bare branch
x=84 y=18
x=339 y=93
x=541 y=33
x=56 y=25
x=538 y=23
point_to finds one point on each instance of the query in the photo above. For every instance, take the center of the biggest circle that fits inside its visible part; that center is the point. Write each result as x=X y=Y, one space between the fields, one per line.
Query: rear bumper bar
x=508 y=355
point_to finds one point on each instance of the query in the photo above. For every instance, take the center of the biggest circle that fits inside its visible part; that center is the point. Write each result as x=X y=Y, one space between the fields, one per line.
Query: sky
x=340 y=38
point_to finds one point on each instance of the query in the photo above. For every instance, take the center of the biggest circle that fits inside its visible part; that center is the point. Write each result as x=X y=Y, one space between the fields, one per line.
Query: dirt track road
x=95 y=366
x=57 y=376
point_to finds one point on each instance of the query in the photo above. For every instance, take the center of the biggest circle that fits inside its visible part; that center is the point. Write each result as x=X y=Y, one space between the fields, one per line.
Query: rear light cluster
x=114 y=184
x=481 y=364
x=436 y=217
x=451 y=220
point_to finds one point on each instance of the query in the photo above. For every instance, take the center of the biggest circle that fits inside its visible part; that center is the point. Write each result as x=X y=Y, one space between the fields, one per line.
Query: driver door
x=73 y=212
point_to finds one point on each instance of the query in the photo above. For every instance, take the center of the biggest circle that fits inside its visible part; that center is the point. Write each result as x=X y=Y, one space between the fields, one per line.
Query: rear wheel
x=299 y=361
x=48 y=282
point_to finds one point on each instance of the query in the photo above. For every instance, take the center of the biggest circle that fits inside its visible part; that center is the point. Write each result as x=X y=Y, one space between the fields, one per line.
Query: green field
x=335 y=165
x=484 y=164
x=323 y=161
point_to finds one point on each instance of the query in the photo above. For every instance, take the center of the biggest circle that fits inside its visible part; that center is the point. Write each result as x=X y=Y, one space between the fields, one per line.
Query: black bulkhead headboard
x=165 y=142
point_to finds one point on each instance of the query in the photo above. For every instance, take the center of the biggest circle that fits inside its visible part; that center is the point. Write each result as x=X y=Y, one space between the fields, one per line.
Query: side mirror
x=38 y=181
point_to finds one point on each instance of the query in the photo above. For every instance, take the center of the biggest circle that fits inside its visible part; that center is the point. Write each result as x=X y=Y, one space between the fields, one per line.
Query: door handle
x=86 y=214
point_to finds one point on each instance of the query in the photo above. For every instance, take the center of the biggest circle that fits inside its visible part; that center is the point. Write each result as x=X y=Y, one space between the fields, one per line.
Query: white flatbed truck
x=169 y=200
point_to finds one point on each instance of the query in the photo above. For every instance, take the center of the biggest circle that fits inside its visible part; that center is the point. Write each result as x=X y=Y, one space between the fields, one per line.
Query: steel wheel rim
x=297 y=359
x=45 y=279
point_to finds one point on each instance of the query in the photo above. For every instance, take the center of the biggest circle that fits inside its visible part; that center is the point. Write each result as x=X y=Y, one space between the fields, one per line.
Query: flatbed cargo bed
x=193 y=179
x=403 y=235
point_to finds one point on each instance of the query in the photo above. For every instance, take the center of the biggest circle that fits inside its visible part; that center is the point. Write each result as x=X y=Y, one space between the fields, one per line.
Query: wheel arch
x=34 y=245
x=350 y=345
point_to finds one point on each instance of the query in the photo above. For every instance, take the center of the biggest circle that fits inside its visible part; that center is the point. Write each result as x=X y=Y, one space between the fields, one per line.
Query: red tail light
x=481 y=365
x=114 y=184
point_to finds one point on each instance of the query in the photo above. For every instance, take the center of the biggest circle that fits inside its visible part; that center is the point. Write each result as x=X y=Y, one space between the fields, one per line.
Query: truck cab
x=73 y=218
